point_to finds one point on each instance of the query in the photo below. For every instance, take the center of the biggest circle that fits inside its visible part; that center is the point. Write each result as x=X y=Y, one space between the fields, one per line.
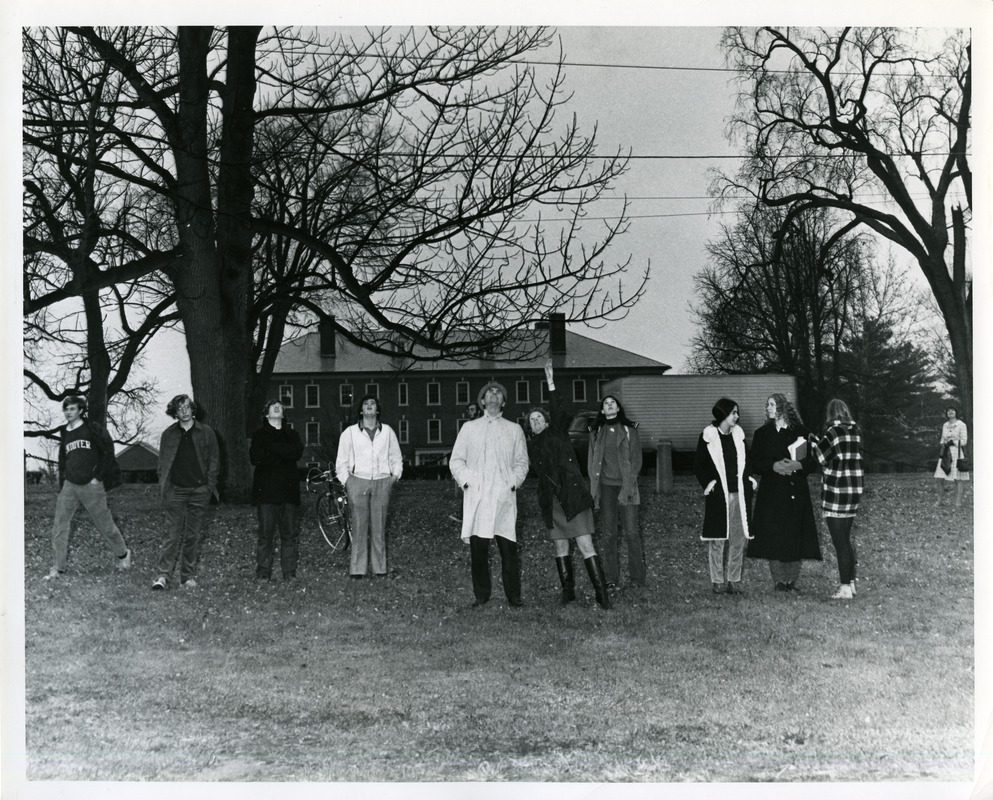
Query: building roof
x=302 y=355
x=138 y=456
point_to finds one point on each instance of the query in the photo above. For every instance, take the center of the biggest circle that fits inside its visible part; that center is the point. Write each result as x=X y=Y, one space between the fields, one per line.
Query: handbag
x=964 y=464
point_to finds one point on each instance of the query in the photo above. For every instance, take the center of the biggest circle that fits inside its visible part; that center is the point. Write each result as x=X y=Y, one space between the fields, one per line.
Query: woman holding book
x=783 y=524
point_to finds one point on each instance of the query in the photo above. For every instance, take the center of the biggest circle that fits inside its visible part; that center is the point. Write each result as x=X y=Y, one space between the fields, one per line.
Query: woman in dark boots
x=563 y=496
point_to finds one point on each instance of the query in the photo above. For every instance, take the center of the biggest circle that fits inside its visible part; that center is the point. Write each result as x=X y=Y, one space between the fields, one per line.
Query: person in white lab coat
x=489 y=462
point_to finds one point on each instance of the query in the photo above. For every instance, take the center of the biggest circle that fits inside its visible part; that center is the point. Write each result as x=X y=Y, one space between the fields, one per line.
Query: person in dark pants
x=783 y=527
x=839 y=450
x=613 y=464
x=189 y=462
x=86 y=471
x=274 y=453
x=490 y=462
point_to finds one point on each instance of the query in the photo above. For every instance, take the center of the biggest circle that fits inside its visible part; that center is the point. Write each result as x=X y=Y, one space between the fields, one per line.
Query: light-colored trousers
x=734 y=544
x=369 y=501
x=93 y=498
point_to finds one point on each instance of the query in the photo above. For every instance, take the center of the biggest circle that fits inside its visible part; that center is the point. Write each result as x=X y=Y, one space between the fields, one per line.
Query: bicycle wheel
x=334 y=527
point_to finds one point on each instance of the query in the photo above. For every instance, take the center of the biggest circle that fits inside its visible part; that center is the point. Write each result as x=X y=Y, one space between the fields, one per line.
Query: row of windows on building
x=312 y=430
x=433 y=393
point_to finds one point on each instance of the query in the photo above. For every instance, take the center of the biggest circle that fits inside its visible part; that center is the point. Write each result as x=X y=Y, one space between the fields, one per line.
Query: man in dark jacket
x=189 y=462
x=275 y=450
x=86 y=461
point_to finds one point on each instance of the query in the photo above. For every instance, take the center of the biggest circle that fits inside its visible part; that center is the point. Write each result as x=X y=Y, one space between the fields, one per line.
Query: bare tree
x=779 y=299
x=428 y=162
x=82 y=337
x=869 y=123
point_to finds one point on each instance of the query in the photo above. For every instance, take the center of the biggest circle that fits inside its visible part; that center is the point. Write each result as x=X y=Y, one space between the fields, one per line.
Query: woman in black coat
x=724 y=470
x=274 y=453
x=783 y=527
x=563 y=496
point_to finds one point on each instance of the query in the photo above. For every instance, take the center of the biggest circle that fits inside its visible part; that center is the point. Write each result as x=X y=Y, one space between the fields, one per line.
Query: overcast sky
x=653 y=113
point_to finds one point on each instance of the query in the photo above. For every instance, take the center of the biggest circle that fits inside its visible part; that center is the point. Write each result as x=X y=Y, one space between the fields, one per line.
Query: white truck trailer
x=676 y=408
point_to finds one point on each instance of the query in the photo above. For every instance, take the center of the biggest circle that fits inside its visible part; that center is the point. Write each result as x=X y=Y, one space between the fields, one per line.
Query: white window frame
x=601 y=384
x=576 y=384
x=341 y=394
x=526 y=385
x=314 y=440
x=403 y=431
x=286 y=395
x=373 y=389
x=306 y=395
x=403 y=394
x=462 y=394
x=427 y=393
x=435 y=425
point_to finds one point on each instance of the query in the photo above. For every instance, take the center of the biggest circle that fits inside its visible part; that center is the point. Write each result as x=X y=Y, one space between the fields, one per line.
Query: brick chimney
x=326 y=330
x=556 y=334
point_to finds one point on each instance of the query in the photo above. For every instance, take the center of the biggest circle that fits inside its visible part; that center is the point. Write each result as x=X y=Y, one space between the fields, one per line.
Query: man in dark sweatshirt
x=86 y=460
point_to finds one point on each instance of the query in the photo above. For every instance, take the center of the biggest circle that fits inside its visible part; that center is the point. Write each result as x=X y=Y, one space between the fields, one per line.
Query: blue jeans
x=93 y=498
x=610 y=509
x=186 y=509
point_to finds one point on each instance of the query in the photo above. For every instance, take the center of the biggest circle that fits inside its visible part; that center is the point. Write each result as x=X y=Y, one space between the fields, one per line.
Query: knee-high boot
x=564 y=564
x=595 y=570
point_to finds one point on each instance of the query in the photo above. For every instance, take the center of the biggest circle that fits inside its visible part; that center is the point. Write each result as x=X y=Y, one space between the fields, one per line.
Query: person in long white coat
x=490 y=462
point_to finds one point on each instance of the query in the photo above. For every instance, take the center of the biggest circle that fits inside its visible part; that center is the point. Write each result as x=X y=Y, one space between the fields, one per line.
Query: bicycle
x=332 y=508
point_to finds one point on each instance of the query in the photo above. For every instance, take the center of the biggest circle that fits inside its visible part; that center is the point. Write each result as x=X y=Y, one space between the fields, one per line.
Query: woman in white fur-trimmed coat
x=724 y=472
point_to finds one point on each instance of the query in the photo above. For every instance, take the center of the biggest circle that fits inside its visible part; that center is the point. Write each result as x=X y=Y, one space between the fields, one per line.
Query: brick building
x=320 y=378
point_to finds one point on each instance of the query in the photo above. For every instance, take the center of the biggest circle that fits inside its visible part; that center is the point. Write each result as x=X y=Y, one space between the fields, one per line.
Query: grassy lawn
x=399 y=679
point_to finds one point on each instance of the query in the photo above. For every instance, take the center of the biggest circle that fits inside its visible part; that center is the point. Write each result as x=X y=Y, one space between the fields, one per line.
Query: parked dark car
x=579 y=435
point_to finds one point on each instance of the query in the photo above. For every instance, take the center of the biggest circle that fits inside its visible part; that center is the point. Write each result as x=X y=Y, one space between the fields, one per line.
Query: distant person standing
x=87 y=469
x=783 y=526
x=471 y=412
x=490 y=462
x=954 y=438
x=724 y=472
x=368 y=464
x=274 y=453
x=189 y=463
x=839 y=450
x=613 y=464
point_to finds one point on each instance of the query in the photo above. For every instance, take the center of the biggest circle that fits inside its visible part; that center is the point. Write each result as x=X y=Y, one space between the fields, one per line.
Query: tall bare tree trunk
x=213 y=280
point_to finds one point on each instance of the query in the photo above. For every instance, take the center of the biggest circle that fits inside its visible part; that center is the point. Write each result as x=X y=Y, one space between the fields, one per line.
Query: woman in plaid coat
x=839 y=450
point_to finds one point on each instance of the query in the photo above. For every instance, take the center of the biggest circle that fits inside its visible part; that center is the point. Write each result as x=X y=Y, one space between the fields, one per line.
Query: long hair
x=601 y=420
x=174 y=404
x=838 y=410
x=786 y=410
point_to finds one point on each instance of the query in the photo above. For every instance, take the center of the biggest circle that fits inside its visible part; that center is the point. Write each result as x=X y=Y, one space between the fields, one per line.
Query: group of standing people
x=489 y=462
x=781 y=529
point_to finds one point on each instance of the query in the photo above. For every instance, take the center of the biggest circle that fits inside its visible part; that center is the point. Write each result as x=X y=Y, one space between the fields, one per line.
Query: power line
x=732 y=70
